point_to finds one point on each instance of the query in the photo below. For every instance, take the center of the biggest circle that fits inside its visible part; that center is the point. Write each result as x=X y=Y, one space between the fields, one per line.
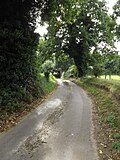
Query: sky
x=43 y=29
x=110 y=4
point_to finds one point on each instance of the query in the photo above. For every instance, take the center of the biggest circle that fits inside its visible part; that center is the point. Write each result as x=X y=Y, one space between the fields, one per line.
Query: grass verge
x=11 y=115
x=106 y=117
x=112 y=86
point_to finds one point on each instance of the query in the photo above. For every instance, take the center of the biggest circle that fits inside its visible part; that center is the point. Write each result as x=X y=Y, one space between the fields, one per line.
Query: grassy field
x=113 y=77
x=106 y=115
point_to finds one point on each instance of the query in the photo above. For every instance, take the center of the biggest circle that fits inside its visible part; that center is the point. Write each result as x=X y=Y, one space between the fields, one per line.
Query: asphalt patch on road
x=39 y=138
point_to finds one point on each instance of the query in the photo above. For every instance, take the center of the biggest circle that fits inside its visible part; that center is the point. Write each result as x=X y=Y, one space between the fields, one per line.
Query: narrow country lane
x=59 y=129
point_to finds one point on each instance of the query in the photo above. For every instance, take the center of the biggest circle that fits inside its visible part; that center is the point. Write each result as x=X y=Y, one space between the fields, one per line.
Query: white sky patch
x=110 y=4
x=117 y=44
x=41 y=29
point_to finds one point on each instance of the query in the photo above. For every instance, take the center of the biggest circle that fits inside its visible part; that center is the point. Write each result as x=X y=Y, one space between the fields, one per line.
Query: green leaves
x=77 y=26
x=116 y=16
x=116 y=145
x=48 y=66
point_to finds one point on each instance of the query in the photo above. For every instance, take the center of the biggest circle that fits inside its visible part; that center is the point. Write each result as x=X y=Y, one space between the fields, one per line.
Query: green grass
x=112 y=86
x=112 y=119
x=116 y=136
x=113 y=77
x=116 y=145
x=47 y=85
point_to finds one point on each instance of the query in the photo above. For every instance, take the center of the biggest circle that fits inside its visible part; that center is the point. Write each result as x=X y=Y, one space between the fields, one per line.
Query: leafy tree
x=18 y=44
x=42 y=53
x=116 y=15
x=109 y=66
x=71 y=72
x=110 y=63
x=47 y=67
x=106 y=61
x=77 y=26
x=118 y=65
x=96 y=63
x=63 y=61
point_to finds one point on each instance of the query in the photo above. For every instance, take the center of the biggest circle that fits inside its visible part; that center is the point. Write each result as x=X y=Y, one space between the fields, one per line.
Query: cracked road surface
x=59 y=129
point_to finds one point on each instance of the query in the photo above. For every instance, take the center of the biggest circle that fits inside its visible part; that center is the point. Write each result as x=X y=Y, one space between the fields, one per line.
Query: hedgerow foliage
x=18 y=43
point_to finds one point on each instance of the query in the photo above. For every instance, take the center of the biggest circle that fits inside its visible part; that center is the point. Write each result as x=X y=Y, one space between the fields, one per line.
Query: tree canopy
x=77 y=26
x=116 y=15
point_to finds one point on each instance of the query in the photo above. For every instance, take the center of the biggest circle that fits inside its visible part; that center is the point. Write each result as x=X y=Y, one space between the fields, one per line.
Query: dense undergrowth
x=106 y=96
x=15 y=104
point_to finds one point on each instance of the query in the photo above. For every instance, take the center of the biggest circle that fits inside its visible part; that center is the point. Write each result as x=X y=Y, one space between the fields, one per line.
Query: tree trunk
x=80 y=66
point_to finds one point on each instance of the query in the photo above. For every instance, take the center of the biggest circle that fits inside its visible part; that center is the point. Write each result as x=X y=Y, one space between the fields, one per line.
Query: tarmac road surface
x=59 y=129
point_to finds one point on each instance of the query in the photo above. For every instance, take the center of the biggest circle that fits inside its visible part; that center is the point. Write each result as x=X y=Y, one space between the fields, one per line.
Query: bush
x=71 y=72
